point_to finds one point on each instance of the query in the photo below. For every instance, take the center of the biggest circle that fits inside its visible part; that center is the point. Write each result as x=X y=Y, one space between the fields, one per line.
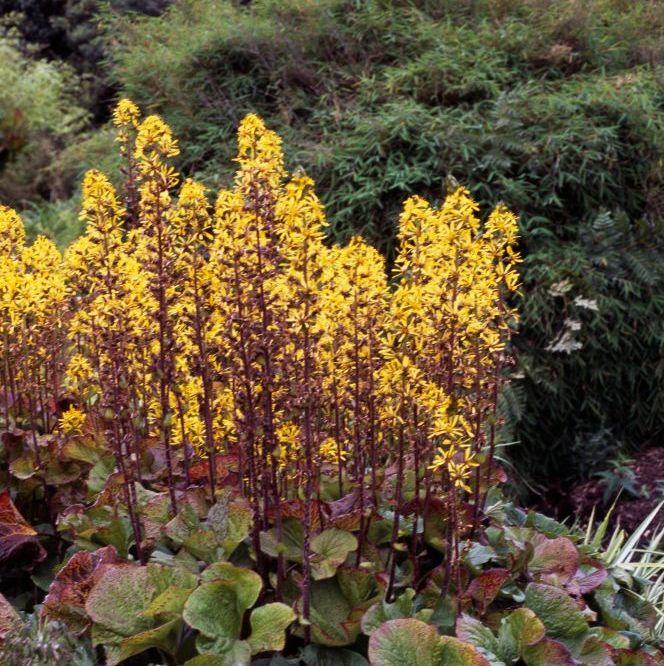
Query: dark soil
x=648 y=468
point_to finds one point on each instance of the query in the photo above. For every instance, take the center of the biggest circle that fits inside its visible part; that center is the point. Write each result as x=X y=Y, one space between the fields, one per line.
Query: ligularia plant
x=240 y=387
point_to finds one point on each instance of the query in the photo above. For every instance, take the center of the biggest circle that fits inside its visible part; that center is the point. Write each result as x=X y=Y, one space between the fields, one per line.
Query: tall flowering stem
x=234 y=349
x=155 y=145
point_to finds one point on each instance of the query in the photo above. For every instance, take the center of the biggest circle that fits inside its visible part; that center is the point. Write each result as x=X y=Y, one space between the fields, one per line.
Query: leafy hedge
x=555 y=109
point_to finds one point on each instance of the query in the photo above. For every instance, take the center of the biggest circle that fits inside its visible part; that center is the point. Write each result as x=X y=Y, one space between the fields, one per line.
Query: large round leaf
x=405 y=642
x=247 y=583
x=520 y=629
x=268 y=627
x=121 y=593
x=548 y=653
x=329 y=551
x=557 y=610
x=213 y=610
x=554 y=560
x=457 y=653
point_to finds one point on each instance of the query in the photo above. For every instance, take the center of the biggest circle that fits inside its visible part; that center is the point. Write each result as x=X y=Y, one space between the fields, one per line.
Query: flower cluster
x=234 y=339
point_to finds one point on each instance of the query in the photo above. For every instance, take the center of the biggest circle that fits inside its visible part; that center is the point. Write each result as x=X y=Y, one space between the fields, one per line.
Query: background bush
x=557 y=108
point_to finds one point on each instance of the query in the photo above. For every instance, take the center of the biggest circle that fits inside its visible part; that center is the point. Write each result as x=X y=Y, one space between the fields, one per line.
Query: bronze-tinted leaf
x=486 y=586
x=10 y=620
x=69 y=591
x=548 y=653
x=590 y=575
x=554 y=561
x=19 y=545
x=635 y=658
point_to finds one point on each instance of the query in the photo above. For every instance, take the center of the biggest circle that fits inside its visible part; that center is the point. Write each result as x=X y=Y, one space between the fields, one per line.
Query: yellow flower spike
x=155 y=142
x=72 y=421
x=126 y=113
x=12 y=232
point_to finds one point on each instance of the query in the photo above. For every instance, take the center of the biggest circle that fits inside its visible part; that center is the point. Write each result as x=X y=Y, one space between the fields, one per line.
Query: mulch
x=648 y=467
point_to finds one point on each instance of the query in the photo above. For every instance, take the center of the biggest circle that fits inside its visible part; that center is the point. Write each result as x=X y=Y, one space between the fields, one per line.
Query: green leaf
x=402 y=607
x=457 y=653
x=83 y=450
x=471 y=630
x=118 y=602
x=206 y=660
x=479 y=555
x=230 y=520
x=548 y=526
x=519 y=630
x=360 y=587
x=118 y=532
x=268 y=627
x=184 y=524
x=635 y=658
x=164 y=637
x=405 y=642
x=217 y=607
x=203 y=545
x=235 y=653
x=247 y=583
x=334 y=621
x=611 y=636
x=290 y=544
x=595 y=652
x=23 y=467
x=122 y=592
x=548 y=653
x=319 y=655
x=170 y=602
x=622 y=609
x=329 y=550
x=557 y=610
x=213 y=610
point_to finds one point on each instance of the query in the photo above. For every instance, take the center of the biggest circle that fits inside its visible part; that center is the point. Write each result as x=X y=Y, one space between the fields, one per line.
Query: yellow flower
x=126 y=113
x=331 y=452
x=72 y=421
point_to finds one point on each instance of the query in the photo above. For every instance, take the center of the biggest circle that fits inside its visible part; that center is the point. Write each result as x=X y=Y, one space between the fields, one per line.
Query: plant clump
x=238 y=440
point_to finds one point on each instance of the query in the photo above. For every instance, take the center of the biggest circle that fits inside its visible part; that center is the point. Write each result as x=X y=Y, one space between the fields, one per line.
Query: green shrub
x=38 y=115
x=555 y=107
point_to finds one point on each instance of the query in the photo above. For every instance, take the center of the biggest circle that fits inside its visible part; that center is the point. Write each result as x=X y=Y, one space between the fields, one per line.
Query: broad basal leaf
x=554 y=561
x=164 y=637
x=118 y=602
x=329 y=550
x=289 y=543
x=485 y=587
x=402 y=607
x=595 y=652
x=69 y=590
x=557 y=610
x=548 y=653
x=518 y=631
x=635 y=658
x=405 y=642
x=247 y=583
x=217 y=607
x=268 y=627
x=334 y=620
x=471 y=630
x=454 y=652
x=19 y=545
x=230 y=521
